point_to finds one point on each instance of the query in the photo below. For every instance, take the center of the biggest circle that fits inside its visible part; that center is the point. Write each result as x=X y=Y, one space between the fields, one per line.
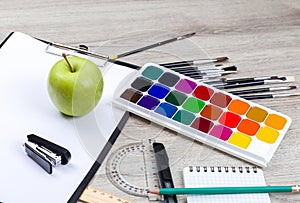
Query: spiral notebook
x=225 y=176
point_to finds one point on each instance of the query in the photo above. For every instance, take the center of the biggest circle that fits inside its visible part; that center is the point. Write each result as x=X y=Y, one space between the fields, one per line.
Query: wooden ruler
x=93 y=195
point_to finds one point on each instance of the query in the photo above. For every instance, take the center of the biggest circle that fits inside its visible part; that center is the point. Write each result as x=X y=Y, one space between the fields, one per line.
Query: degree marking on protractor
x=114 y=175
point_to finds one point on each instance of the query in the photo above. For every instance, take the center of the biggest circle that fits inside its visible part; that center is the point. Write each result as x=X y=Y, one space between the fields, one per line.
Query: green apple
x=75 y=85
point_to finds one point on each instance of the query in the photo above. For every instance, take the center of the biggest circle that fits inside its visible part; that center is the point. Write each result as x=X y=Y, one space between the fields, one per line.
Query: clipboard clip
x=45 y=153
x=57 y=48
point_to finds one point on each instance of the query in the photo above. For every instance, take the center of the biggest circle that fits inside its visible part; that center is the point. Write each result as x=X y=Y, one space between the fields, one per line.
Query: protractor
x=132 y=169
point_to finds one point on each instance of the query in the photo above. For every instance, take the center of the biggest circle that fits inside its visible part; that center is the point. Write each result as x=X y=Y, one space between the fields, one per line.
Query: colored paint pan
x=217 y=118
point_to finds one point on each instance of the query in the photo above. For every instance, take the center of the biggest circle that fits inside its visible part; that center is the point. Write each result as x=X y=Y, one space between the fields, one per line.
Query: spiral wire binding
x=226 y=169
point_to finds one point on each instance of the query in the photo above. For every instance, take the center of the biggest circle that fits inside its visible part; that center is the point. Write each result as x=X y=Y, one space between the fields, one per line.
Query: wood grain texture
x=259 y=37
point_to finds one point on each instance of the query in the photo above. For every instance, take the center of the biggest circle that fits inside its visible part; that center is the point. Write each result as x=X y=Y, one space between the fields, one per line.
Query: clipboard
x=26 y=108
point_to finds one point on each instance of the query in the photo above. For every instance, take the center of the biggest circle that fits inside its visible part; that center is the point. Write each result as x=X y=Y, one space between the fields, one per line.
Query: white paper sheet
x=26 y=108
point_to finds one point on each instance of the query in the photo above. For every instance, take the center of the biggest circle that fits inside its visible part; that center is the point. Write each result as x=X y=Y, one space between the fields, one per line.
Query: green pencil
x=226 y=190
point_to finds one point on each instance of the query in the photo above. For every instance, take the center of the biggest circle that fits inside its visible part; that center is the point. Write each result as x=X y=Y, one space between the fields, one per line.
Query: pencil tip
x=221 y=59
x=153 y=191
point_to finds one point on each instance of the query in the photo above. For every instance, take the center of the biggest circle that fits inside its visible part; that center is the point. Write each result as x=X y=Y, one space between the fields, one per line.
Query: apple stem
x=70 y=66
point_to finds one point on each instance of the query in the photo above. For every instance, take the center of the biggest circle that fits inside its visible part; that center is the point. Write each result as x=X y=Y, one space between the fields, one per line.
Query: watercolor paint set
x=197 y=110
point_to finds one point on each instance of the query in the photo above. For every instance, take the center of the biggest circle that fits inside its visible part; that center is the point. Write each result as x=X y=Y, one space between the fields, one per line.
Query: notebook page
x=224 y=176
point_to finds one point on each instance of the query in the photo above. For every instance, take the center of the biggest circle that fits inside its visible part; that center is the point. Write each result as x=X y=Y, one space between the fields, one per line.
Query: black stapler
x=46 y=153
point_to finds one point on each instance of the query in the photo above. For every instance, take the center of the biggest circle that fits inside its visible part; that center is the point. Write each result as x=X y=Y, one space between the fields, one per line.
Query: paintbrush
x=202 y=67
x=194 y=62
x=196 y=73
x=260 y=90
x=243 y=80
x=229 y=69
x=151 y=46
x=269 y=96
x=253 y=83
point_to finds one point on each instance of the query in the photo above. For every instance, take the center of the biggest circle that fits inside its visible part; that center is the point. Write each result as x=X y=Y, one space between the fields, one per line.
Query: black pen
x=164 y=172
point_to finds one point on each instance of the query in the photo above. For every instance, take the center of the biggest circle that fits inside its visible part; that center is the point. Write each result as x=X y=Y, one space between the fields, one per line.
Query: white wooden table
x=259 y=37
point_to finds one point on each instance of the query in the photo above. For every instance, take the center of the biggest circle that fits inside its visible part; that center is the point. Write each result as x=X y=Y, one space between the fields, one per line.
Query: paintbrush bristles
x=186 y=36
x=221 y=59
